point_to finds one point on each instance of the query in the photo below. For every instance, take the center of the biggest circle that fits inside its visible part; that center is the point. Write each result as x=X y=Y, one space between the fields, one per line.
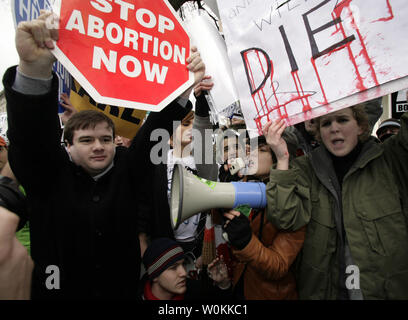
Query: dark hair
x=261 y=142
x=188 y=117
x=84 y=120
x=290 y=140
x=360 y=115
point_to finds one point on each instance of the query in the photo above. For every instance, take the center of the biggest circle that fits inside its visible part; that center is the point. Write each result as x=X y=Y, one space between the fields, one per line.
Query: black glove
x=239 y=232
x=13 y=199
x=202 y=108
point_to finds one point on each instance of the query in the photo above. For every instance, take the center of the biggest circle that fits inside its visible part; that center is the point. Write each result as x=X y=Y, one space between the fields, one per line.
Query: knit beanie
x=160 y=255
x=388 y=123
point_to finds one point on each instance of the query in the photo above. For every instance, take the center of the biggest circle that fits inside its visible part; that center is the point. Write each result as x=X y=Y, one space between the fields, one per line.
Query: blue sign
x=27 y=10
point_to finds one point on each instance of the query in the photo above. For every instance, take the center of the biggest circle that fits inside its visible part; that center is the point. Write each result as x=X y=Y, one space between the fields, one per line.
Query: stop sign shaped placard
x=125 y=52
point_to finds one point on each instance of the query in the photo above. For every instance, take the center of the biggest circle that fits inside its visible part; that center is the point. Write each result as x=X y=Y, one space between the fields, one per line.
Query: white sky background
x=8 y=53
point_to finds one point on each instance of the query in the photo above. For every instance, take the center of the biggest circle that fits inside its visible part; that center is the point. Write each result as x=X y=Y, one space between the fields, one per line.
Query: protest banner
x=27 y=10
x=399 y=103
x=206 y=37
x=213 y=6
x=127 y=121
x=299 y=59
x=124 y=53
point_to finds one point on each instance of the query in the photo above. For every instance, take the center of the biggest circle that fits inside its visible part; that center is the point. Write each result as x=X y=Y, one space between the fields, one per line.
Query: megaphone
x=191 y=195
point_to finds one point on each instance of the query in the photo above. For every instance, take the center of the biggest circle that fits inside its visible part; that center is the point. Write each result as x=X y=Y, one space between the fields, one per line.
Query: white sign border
x=119 y=102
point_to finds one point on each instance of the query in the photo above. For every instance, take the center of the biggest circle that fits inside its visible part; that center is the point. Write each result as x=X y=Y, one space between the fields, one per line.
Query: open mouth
x=182 y=283
x=337 y=142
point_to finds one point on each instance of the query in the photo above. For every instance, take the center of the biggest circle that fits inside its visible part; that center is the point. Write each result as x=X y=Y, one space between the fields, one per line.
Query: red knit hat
x=2 y=142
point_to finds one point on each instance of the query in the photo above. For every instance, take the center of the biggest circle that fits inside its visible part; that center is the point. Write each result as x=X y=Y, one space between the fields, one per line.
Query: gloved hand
x=238 y=229
x=13 y=199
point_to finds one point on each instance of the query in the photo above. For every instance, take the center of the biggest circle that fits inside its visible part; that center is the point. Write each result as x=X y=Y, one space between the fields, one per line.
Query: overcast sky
x=8 y=55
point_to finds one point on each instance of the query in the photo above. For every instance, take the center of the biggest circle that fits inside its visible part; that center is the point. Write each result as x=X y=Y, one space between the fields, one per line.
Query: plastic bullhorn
x=191 y=195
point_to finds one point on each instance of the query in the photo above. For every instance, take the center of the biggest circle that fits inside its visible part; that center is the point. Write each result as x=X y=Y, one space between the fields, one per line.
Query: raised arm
x=288 y=189
x=204 y=155
x=142 y=144
x=32 y=101
x=273 y=134
x=141 y=150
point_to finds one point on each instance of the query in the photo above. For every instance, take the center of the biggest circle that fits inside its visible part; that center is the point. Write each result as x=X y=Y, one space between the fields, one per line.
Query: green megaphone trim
x=209 y=183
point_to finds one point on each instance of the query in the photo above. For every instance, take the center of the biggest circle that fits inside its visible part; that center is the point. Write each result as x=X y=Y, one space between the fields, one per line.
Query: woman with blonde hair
x=352 y=194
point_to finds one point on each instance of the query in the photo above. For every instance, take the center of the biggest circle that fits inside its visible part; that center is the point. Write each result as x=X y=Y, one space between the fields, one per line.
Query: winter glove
x=13 y=199
x=239 y=232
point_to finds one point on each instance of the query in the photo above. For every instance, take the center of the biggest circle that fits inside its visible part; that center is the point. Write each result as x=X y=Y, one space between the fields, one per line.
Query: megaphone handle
x=225 y=236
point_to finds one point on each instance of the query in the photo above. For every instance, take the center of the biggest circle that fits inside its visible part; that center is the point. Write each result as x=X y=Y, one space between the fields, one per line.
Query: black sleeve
x=145 y=206
x=202 y=108
x=141 y=146
x=13 y=199
x=34 y=131
x=141 y=166
x=204 y=289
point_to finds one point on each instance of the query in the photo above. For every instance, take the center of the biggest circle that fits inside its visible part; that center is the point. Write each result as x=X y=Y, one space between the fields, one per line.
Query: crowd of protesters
x=97 y=211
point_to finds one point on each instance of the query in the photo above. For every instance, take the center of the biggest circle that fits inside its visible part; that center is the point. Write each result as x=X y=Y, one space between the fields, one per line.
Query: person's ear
x=360 y=130
x=67 y=145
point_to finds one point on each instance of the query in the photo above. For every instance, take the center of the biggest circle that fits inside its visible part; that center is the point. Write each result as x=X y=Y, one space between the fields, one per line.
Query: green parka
x=374 y=210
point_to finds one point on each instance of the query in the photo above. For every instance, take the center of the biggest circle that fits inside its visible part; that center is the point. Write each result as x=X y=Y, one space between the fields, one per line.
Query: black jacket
x=87 y=228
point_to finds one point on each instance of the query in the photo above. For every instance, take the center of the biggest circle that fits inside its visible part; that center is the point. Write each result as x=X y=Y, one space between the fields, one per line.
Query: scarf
x=148 y=294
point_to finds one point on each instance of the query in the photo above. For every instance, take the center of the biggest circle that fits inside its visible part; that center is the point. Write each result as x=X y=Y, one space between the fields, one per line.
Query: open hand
x=217 y=270
x=204 y=85
x=273 y=134
x=196 y=65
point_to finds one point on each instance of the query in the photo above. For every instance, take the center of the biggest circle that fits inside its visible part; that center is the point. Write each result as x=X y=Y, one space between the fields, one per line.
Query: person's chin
x=98 y=167
x=181 y=287
x=340 y=152
x=187 y=142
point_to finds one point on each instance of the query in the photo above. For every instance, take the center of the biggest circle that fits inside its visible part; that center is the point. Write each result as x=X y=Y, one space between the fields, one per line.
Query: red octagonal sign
x=125 y=52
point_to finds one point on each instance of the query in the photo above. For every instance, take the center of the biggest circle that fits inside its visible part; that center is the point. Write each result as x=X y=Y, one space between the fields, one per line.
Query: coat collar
x=322 y=163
